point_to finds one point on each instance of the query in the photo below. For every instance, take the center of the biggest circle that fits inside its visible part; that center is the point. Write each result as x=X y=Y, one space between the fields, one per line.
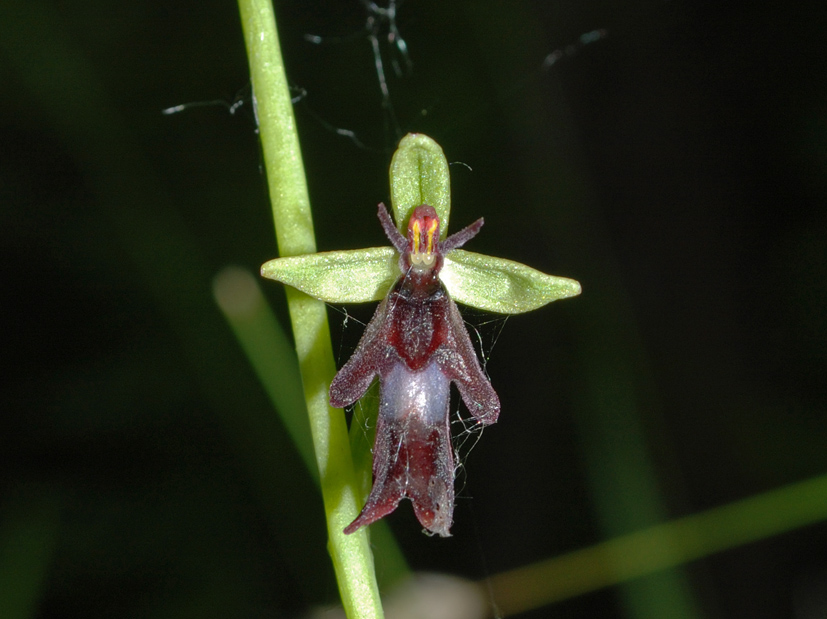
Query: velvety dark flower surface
x=417 y=344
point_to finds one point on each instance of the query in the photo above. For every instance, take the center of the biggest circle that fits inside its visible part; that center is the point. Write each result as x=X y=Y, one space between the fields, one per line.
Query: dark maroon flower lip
x=417 y=344
x=413 y=458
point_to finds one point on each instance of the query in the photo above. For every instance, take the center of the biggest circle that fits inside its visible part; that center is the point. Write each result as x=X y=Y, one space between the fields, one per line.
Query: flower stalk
x=351 y=554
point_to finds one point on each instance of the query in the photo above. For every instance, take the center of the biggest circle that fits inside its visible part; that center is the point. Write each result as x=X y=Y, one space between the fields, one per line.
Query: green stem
x=351 y=555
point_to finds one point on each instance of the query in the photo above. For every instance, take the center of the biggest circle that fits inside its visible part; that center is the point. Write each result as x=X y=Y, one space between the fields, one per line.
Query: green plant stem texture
x=351 y=555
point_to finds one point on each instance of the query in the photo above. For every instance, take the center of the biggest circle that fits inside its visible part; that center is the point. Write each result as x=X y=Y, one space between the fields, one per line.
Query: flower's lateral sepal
x=502 y=286
x=353 y=276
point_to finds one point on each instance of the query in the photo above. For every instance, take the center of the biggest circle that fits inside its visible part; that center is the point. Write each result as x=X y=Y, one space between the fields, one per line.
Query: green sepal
x=419 y=175
x=352 y=276
x=499 y=285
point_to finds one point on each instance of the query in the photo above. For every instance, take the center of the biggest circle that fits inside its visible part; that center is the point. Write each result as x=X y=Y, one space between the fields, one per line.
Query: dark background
x=675 y=167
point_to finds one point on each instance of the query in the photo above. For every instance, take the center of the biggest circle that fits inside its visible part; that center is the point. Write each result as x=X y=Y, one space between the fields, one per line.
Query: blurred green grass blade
x=269 y=351
x=28 y=535
x=662 y=546
x=613 y=397
x=391 y=565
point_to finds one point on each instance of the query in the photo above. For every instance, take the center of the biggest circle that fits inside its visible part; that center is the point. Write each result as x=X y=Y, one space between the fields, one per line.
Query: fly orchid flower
x=416 y=342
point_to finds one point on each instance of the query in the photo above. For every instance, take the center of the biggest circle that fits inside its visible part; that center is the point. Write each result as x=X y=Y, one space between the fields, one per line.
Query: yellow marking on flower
x=423 y=255
x=431 y=234
x=416 y=236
